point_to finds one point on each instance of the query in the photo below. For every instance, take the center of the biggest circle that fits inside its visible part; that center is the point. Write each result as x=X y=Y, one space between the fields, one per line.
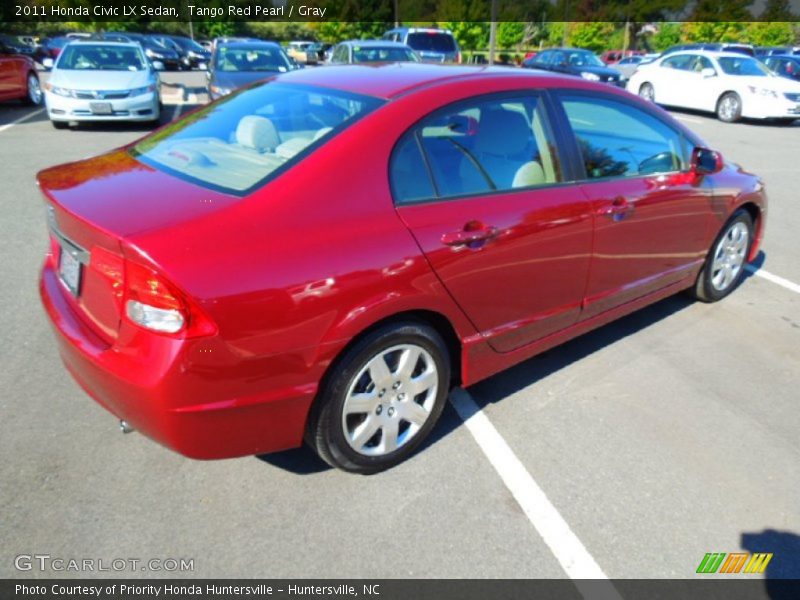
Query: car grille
x=102 y=95
x=792 y=97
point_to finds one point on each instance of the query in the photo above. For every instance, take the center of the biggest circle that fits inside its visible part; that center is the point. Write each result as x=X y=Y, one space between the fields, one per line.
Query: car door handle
x=617 y=209
x=471 y=234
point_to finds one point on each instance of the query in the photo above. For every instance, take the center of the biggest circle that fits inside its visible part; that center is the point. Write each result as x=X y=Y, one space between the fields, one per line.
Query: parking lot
x=630 y=452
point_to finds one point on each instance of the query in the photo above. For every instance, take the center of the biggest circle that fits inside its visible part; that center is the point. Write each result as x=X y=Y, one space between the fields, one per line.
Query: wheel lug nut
x=395 y=385
x=379 y=410
x=390 y=412
x=401 y=396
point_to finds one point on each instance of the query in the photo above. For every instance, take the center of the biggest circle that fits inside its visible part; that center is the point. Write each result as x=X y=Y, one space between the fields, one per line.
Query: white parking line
x=20 y=120
x=687 y=119
x=571 y=554
x=773 y=278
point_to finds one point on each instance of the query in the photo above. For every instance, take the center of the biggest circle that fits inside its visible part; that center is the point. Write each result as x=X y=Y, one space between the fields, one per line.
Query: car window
x=488 y=145
x=85 y=57
x=698 y=63
x=236 y=143
x=679 y=61
x=252 y=58
x=339 y=54
x=409 y=175
x=742 y=66
x=618 y=140
x=431 y=42
x=362 y=54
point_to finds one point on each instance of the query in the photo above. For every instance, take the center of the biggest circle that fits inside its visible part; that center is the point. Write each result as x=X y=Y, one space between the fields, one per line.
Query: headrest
x=529 y=174
x=258 y=133
x=292 y=147
x=502 y=132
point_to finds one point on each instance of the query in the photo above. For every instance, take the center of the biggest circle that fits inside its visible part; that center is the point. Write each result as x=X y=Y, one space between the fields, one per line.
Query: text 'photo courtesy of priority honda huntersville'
x=322 y=256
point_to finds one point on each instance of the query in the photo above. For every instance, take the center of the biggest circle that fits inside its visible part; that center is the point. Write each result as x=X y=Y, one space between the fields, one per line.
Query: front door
x=653 y=217
x=479 y=185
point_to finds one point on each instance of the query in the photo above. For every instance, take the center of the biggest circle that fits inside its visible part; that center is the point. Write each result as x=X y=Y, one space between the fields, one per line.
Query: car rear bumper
x=139 y=108
x=163 y=389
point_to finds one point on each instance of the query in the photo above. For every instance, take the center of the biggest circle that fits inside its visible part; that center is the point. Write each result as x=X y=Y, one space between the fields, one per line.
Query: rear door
x=481 y=187
x=653 y=217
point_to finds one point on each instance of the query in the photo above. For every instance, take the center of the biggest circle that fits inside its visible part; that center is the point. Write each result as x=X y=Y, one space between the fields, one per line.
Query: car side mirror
x=706 y=162
x=48 y=63
x=158 y=65
x=708 y=72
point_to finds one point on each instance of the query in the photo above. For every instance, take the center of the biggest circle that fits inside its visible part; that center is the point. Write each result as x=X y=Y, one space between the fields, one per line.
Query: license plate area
x=70 y=271
x=100 y=108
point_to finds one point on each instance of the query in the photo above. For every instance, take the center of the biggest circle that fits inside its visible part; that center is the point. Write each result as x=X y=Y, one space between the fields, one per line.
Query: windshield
x=88 y=57
x=188 y=44
x=583 y=59
x=237 y=143
x=431 y=42
x=743 y=66
x=383 y=54
x=251 y=58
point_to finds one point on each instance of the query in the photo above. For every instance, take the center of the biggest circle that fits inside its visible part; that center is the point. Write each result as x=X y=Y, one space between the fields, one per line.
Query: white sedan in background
x=102 y=81
x=733 y=86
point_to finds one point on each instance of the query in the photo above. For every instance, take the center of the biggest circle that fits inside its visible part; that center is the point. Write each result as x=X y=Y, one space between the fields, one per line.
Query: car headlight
x=222 y=91
x=762 y=91
x=143 y=90
x=60 y=91
x=153 y=53
x=590 y=76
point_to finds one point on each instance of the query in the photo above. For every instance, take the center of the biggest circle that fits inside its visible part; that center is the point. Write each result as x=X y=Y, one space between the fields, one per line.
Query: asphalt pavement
x=636 y=448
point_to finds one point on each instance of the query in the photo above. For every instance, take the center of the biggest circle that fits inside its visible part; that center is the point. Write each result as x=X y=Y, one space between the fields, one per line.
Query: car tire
x=729 y=107
x=60 y=124
x=647 y=92
x=724 y=266
x=363 y=420
x=33 y=95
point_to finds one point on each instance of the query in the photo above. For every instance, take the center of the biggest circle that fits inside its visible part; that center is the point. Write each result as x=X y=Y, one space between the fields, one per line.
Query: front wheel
x=382 y=399
x=724 y=266
x=647 y=92
x=34 y=95
x=729 y=108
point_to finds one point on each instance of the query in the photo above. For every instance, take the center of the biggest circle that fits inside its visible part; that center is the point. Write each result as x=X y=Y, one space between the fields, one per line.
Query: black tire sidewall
x=329 y=436
x=709 y=292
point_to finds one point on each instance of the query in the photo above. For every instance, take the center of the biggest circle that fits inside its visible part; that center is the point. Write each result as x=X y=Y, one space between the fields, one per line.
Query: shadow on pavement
x=783 y=571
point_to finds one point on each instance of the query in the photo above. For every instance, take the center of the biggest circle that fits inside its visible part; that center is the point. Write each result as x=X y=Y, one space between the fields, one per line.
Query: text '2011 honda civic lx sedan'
x=324 y=256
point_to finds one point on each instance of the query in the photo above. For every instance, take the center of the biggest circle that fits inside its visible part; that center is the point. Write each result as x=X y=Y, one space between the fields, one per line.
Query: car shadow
x=782 y=576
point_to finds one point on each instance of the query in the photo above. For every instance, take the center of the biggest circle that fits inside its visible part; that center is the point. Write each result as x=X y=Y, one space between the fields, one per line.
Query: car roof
x=248 y=44
x=389 y=80
x=713 y=53
x=86 y=42
x=377 y=43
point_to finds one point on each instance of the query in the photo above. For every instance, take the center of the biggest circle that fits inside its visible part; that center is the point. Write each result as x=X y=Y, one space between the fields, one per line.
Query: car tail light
x=148 y=299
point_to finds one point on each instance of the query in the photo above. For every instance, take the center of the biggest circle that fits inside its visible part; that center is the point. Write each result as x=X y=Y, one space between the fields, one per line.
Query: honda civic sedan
x=324 y=255
x=731 y=85
x=102 y=81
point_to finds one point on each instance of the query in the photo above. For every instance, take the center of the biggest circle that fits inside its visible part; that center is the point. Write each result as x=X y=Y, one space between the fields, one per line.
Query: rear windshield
x=362 y=54
x=251 y=58
x=237 y=143
x=82 y=57
x=431 y=42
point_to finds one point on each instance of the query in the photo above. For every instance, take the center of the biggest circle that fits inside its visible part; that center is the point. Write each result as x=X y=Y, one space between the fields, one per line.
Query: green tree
x=668 y=34
x=592 y=36
x=777 y=10
x=777 y=33
x=510 y=34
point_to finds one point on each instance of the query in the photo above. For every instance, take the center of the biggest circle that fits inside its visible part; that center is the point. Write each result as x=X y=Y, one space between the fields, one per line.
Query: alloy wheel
x=728 y=108
x=729 y=256
x=647 y=92
x=390 y=399
x=34 y=90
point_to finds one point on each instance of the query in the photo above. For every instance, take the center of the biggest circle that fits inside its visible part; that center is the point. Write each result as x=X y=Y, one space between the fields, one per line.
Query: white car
x=102 y=81
x=733 y=86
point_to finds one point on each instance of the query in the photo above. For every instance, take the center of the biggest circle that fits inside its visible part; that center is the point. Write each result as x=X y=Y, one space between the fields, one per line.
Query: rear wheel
x=34 y=96
x=382 y=399
x=724 y=266
x=729 y=108
x=647 y=92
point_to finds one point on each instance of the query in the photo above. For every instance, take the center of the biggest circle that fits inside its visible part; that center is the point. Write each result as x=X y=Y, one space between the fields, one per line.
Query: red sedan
x=18 y=78
x=324 y=255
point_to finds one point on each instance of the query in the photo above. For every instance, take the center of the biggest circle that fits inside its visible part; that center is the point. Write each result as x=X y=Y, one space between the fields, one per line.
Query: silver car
x=102 y=81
